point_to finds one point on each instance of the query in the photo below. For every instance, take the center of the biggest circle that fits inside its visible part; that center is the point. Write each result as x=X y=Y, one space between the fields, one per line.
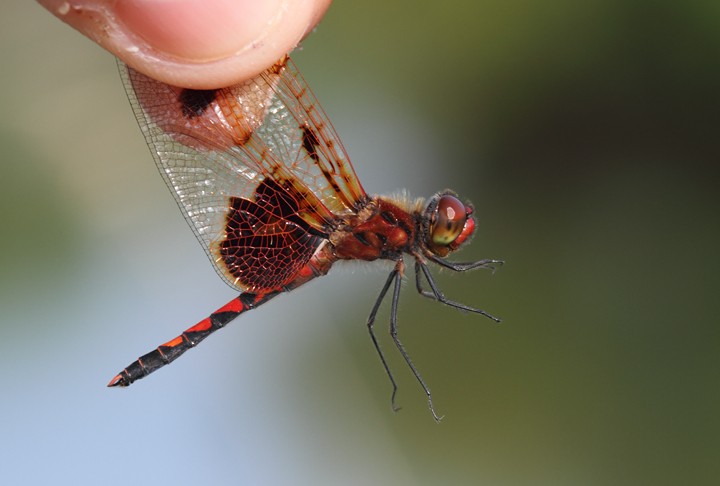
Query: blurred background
x=586 y=135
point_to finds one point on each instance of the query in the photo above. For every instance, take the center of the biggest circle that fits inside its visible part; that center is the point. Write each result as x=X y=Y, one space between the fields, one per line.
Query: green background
x=586 y=135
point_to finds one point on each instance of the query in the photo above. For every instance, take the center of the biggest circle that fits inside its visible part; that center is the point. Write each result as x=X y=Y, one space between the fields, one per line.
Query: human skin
x=199 y=44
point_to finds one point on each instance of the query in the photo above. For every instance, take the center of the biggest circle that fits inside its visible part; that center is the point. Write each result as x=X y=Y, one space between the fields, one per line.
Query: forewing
x=298 y=130
x=216 y=147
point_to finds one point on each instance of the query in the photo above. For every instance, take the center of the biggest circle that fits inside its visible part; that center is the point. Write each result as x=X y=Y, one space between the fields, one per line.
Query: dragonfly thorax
x=380 y=230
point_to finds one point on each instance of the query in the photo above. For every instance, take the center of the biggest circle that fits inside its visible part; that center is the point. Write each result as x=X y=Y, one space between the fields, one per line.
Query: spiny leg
x=393 y=333
x=437 y=295
x=465 y=266
x=371 y=322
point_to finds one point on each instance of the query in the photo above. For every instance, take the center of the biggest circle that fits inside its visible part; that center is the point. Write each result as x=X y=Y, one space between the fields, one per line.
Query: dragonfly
x=268 y=189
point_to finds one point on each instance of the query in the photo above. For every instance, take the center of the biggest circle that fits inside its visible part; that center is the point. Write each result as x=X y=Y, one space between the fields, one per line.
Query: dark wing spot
x=195 y=101
x=310 y=141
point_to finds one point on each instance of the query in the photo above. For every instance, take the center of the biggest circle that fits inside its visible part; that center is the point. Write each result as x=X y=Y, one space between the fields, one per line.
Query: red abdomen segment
x=170 y=351
x=167 y=353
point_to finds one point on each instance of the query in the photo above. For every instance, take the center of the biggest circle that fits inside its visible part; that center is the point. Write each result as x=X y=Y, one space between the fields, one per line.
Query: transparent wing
x=214 y=148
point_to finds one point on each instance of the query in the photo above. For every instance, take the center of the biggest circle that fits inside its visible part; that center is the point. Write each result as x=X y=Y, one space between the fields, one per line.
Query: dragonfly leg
x=465 y=266
x=397 y=275
x=437 y=295
x=371 y=322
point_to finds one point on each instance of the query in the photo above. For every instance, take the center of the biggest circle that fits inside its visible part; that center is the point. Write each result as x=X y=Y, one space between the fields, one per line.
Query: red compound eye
x=448 y=220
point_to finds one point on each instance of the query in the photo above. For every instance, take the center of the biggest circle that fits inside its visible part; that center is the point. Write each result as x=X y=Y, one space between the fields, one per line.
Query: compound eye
x=447 y=221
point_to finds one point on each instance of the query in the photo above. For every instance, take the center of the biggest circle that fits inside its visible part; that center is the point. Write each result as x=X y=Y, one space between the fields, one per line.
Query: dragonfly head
x=448 y=223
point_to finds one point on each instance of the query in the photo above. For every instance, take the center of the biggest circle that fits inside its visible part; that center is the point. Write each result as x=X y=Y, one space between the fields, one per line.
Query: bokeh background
x=585 y=133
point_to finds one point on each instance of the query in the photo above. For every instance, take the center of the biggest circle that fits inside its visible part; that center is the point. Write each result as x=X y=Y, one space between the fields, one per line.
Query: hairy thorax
x=380 y=229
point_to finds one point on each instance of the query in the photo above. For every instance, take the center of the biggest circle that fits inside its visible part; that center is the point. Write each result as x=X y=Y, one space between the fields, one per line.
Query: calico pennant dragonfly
x=268 y=189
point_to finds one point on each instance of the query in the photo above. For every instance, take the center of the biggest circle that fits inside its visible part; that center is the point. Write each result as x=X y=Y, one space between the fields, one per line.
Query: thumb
x=201 y=44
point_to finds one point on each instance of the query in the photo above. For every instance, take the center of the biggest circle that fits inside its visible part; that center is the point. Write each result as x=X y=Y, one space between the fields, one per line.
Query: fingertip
x=200 y=44
x=199 y=30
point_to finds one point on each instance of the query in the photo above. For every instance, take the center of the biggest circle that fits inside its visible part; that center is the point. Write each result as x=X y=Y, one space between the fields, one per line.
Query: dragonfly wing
x=256 y=169
x=314 y=152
